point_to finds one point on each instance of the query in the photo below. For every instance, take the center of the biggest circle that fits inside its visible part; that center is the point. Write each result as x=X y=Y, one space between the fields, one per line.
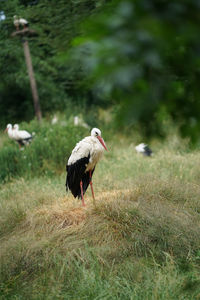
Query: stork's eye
x=96 y=133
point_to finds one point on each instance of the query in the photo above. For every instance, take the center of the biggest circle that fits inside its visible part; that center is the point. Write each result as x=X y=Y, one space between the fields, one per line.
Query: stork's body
x=144 y=149
x=20 y=21
x=82 y=162
x=23 y=137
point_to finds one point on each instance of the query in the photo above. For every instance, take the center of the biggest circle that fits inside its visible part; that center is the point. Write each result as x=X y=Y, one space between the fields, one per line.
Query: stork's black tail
x=75 y=174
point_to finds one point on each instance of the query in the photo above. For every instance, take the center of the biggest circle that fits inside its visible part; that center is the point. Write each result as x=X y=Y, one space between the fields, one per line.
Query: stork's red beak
x=102 y=142
x=6 y=130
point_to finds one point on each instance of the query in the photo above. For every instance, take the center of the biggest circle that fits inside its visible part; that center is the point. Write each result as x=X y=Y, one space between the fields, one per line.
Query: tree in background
x=56 y=23
x=143 y=57
x=140 y=57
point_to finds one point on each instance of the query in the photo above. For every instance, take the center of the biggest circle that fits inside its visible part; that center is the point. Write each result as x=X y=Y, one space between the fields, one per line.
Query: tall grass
x=139 y=240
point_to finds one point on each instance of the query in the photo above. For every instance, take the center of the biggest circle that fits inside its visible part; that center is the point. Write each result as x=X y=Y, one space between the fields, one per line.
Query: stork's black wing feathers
x=76 y=173
x=24 y=142
x=147 y=151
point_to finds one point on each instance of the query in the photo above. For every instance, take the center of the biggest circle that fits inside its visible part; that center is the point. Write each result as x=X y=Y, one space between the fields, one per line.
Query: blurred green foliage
x=143 y=57
x=139 y=57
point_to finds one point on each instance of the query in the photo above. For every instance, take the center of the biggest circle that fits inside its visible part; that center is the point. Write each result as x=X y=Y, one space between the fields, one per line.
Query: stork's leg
x=91 y=184
x=81 y=186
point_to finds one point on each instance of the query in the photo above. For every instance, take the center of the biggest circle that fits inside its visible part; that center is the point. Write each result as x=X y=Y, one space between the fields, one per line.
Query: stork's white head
x=95 y=132
x=8 y=127
x=140 y=147
x=16 y=127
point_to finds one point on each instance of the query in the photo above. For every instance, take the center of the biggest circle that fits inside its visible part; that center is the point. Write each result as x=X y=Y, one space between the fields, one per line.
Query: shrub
x=47 y=154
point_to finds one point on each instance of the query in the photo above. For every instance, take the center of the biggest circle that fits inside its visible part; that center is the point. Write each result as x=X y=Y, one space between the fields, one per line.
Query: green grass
x=47 y=154
x=139 y=240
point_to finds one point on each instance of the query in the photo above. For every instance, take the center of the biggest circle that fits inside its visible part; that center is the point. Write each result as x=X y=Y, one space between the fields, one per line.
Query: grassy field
x=139 y=240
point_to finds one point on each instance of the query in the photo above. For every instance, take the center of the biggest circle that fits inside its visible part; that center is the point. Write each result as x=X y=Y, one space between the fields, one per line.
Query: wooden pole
x=32 y=80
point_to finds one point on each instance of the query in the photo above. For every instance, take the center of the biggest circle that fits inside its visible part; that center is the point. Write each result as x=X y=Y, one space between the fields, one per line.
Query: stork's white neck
x=10 y=132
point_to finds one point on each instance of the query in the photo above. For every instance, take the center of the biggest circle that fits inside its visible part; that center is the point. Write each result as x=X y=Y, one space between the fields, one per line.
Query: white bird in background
x=54 y=120
x=20 y=21
x=23 y=137
x=9 y=130
x=82 y=162
x=144 y=149
x=79 y=122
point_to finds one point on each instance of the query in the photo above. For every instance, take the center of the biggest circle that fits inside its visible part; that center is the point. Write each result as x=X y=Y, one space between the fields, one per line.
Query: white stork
x=23 y=137
x=20 y=21
x=144 y=149
x=79 y=122
x=82 y=162
x=9 y=130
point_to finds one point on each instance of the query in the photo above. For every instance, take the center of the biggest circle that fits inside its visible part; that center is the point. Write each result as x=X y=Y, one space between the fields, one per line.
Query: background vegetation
x=140 y=58
x=47 y=155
